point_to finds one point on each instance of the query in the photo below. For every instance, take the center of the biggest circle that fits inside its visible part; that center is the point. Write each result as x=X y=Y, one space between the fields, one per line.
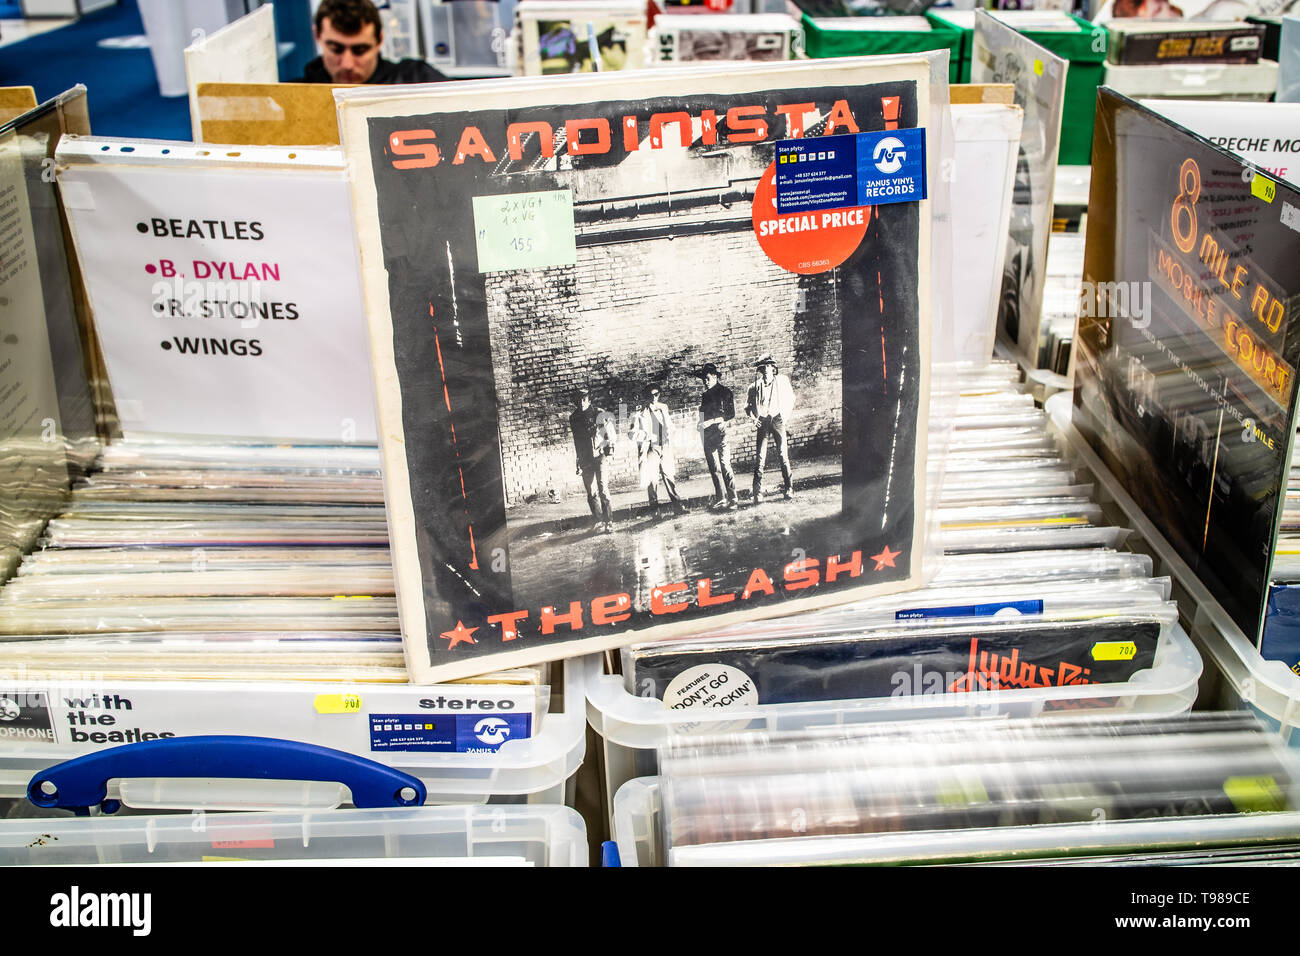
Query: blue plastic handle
x=609 y=854
x=83 y=782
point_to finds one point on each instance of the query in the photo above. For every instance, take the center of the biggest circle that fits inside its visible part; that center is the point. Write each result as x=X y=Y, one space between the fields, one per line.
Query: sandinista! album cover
x=651 y=349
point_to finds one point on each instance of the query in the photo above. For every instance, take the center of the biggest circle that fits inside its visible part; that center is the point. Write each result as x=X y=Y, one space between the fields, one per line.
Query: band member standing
x=717 y=408
x=593 y=446
x=769 y=406
x=651 y=430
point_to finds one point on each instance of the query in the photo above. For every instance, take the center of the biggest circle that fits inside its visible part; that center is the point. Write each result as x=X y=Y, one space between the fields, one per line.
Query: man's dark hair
x=349 y=17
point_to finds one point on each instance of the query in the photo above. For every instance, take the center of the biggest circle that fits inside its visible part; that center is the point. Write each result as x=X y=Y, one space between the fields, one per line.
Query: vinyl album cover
x=1187 y=343
x=1146 y=42
x=567 y=37
x=1002 y=55
x=899 y=661
x=619 y=392
x=723 y=37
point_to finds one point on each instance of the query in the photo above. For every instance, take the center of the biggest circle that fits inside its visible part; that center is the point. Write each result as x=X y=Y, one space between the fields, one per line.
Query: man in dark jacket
x=349 y=34
x=717 y=409
x=594 y=432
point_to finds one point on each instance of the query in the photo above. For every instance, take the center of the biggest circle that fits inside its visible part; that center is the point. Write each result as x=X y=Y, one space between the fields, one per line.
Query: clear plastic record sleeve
x=285 y=581
x=1045 y=494
x=577 y=288
x=354 y=613
x=1036 y=536
x=1041 y=566
x=120 y=455
x=116 y=532
x=123 y=560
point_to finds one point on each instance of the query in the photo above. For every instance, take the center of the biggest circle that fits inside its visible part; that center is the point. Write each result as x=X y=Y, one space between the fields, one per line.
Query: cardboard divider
x=15 y=101
x=267 y=114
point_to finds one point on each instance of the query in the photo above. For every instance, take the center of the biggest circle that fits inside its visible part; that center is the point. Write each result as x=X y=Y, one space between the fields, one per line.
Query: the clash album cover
x=621 y=396
x=1188 y=343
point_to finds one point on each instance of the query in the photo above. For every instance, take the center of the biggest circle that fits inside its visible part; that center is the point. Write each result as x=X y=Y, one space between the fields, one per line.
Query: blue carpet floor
x=123 y=89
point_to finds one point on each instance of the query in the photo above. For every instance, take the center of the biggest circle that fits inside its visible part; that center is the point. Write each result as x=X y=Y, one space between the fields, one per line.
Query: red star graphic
x=462 y=633
x=885 y=559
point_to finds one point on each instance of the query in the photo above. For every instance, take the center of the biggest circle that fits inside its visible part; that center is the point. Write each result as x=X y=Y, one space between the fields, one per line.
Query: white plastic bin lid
x=536 y=835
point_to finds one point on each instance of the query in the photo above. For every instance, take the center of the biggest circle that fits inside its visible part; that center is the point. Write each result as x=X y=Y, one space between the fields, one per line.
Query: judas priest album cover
x=651 y=350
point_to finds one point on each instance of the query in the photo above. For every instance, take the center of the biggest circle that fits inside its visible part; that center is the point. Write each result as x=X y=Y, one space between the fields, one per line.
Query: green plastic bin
x=827 y=37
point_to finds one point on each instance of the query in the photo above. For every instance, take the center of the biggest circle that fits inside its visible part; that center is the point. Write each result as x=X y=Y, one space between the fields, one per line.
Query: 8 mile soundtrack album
x=1188 y=343
x=651 y=350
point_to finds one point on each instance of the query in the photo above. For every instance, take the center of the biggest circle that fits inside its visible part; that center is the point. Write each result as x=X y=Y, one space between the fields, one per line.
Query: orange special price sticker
x=806 y=242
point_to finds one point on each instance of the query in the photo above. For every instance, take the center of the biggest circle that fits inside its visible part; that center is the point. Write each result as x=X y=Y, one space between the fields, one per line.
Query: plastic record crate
x=638 y=836
x=631 y=727
x=537 y=770
x=424 y=836
x=828 y=37
x=1241 y=679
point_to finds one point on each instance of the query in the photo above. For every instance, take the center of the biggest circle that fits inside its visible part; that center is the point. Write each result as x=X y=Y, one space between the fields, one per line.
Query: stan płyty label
x=971 y=610
x=446 y=733
x=824 y=173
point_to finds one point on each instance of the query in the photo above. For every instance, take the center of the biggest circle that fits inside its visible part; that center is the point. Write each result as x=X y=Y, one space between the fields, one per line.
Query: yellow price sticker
x=1262 y=188
x=1038 y=68
x=1114 y=651
x=338 y=703
x=1252 y=794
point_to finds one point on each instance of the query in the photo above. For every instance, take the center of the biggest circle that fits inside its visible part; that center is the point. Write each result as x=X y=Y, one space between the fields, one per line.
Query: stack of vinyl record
x=1031 y=591
x=953 y=791
x=1061 y=286
x=205 y=560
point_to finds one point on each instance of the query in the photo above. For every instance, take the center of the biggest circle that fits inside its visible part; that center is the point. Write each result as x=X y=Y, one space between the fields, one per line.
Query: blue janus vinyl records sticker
x=856 y=169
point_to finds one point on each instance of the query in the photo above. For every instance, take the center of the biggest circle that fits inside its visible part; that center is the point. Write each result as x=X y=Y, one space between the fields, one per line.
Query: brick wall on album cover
x=614 y=324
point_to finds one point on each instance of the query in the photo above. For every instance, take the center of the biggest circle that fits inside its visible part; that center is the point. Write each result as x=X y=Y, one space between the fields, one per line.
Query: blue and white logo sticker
x=889 y=154
x=446 y=733
x=855 y=169
x=493 y=731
